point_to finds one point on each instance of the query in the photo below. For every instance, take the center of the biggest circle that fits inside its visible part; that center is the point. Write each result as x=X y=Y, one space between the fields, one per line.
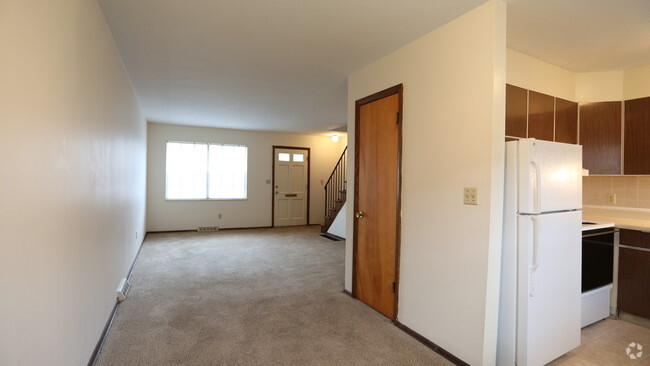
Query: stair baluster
x=335 y=191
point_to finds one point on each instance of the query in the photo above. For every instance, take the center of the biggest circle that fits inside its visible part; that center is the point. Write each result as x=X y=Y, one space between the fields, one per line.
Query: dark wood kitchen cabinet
x=541 y=116
x=541 y=109
x=637 y=136
x=566 y=121
x=516 y=111
x=634 y=273
x=600 y=137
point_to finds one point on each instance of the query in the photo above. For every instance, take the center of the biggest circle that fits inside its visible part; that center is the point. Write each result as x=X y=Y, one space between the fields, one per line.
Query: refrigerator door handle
x=538 y=185
x=535 y=265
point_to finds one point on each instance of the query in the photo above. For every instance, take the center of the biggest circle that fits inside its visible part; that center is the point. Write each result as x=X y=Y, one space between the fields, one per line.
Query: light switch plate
x=470 y=196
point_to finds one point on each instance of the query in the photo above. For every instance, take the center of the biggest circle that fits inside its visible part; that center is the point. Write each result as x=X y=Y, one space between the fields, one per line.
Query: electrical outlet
x=611 y=198
x=470 y=196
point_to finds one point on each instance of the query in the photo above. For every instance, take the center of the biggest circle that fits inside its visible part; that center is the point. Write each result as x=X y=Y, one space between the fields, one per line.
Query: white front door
x=290 y=191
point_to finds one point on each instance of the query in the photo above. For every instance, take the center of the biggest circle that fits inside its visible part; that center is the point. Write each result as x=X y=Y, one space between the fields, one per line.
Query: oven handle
x=599 y=233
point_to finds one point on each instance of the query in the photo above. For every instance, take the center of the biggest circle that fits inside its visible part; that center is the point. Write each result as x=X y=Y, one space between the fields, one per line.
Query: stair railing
x=336 y=184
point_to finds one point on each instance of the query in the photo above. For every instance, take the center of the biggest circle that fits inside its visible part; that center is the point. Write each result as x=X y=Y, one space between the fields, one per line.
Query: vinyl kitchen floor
x=607 y=343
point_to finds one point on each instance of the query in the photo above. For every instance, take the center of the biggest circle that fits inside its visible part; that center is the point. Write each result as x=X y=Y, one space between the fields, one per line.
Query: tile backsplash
x=630 y=191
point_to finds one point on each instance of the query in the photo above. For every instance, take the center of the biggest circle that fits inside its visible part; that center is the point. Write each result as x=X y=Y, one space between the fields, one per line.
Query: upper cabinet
x=605 y=149
x=566 y=121
x=600 y=137
x=541 y=109
x=637 y=136
x=540 y=116
x=516 y=111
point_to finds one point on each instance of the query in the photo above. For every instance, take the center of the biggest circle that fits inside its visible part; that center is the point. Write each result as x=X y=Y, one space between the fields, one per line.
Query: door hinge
x=397 y=117
x=394 y=287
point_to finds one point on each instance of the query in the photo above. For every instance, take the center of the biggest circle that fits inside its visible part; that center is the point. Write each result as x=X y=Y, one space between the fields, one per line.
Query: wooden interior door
x=376 y=201
x=290 y=186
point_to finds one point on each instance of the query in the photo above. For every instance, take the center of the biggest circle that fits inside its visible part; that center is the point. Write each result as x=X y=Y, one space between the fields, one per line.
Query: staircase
x=335 y=192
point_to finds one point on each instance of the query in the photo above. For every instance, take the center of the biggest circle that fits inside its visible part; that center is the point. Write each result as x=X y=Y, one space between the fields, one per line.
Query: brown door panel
x=376 y=196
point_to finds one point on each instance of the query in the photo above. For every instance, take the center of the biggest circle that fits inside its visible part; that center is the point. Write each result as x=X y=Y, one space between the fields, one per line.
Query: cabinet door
x=540 y=116
x=566 y=121
x=637 y=136
x=516 y=111
x=600 y=137
x=634 y=281
x=635 y=238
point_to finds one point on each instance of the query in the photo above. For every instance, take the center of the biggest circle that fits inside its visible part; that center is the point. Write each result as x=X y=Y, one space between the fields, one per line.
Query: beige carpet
x=250 y=297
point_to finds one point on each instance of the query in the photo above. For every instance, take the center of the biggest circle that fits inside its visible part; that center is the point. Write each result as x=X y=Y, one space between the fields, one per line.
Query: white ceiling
x=264 y=65
x=582 y=35
x=282 y=65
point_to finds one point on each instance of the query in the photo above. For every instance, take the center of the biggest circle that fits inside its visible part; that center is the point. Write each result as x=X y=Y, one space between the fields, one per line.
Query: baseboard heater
x=208 y=228
x=123 y=289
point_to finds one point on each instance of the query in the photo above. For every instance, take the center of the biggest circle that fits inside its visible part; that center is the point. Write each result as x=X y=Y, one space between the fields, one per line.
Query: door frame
x=397 y=89
x=275 y=147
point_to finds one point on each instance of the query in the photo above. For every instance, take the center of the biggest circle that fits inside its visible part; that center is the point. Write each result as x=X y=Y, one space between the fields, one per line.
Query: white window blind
x=227 y=171
x=187 y=170
x=206 y=171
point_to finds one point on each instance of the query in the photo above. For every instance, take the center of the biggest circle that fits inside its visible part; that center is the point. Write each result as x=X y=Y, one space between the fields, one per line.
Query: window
x=284 y=157
x=298 y=157
x=206 y=171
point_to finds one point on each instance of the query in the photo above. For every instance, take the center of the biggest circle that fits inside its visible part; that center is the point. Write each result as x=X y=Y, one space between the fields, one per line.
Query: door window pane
x=284 y=157
x=299 y=157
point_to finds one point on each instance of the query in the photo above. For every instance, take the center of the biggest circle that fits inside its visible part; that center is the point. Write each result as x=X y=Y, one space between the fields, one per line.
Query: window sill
x=206 y=199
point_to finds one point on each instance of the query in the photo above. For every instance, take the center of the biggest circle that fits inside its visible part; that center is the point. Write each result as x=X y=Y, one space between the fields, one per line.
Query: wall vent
x=123 y=290
x=208 y=228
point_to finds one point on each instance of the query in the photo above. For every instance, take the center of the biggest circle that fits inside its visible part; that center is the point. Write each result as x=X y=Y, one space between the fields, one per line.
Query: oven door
x=597 y=258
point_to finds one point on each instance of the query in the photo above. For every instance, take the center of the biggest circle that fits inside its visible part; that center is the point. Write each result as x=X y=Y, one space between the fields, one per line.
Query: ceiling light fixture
x=335 y=138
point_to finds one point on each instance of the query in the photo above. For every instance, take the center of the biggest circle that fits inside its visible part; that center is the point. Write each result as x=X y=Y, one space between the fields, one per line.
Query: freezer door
x=548 y=296
x=550 y=176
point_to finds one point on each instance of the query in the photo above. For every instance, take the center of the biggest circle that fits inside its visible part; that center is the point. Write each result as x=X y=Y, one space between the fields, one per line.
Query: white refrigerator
x=540 y=299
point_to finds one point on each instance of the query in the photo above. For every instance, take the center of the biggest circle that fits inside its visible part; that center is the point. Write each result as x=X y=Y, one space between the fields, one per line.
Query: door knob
x=359 y=214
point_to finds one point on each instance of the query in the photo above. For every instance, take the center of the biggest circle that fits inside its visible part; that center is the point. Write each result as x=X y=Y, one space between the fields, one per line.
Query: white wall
x=73 y=180
x=530 y=73
x=599 y=86
x=613 y=85
x=636 y=82
x=165 y=215
x=453 y=133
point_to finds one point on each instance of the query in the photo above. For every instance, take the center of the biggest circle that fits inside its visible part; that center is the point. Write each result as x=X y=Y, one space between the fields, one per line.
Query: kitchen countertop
x=596 y=225
x=623 y=218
